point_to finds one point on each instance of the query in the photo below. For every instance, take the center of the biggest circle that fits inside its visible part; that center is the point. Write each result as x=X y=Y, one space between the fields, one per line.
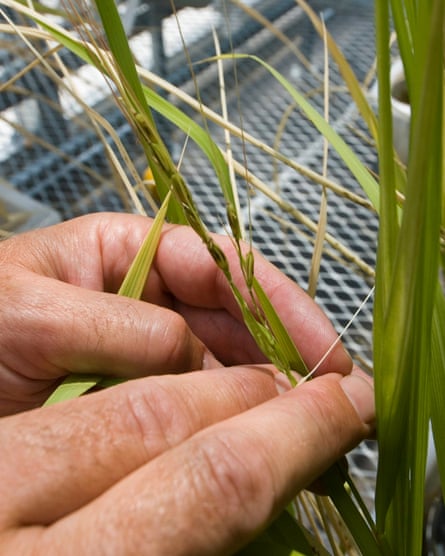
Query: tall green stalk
x=407 y=271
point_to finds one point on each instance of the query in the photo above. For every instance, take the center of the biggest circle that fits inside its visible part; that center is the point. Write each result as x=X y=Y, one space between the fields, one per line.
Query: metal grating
x=263 y=103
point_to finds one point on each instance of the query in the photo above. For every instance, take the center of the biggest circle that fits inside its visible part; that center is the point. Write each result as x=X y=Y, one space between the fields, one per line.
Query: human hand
x=194 y=464
x=59 y=312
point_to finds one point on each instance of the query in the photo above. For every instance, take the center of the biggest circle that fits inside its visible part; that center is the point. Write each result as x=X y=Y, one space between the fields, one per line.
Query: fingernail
x=360 y=391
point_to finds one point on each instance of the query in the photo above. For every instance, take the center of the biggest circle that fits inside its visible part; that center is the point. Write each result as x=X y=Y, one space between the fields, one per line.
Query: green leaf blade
x=404 y=315
x=137 y=275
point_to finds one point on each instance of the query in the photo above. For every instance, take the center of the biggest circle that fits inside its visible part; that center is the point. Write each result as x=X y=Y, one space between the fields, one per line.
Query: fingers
x=96 y=251
x=64 y=328
x=56 y=459
x=186 y=278
x=209 y=306
x=213 y=493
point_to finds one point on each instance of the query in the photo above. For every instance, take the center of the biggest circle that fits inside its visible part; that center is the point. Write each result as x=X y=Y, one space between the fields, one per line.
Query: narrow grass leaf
x=437 y=384
x=364 y=536
x=199 y=135
x=136 y=108
x=389 y=225
x=286 y=344
x=120 y=48
x=320 y=236
x=351 y=160
x=349 y=77
x=73 y=386
x=404 y=320
x=136 y=277
x=60 y=34
x=405 y=24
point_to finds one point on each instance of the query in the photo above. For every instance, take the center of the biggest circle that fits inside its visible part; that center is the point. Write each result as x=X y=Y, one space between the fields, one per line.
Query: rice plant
x=409 y=310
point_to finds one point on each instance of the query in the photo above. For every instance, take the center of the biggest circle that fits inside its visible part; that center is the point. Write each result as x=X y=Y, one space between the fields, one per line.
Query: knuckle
x=236 y=487
x=158 y=416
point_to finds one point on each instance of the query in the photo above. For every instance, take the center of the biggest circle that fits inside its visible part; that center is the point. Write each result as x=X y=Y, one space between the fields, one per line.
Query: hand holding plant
x=409 y=311
x=195 y=463
x=59 y=313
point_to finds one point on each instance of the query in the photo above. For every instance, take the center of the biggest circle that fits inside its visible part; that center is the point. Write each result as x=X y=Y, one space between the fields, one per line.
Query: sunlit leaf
x=407 y=281
x=349 y=157
x=136 y=277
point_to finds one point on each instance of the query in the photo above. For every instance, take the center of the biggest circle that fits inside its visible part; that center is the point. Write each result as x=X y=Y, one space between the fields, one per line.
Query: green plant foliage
x=262 y=326
x=349 y=77
x=260 y=329
x=284 y=538
x=290 y=353
x=136 y=106
x=437 y=383
x=351 y=160
x=72 y=387
x=407 y=274
x=136 y=277
x=409 y=310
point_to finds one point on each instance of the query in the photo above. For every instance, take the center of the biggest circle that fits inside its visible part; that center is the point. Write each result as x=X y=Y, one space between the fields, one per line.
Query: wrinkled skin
x=198 y=453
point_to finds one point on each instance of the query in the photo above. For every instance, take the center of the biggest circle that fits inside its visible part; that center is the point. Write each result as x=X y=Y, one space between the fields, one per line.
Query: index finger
x=95 y=251
x=189 y=273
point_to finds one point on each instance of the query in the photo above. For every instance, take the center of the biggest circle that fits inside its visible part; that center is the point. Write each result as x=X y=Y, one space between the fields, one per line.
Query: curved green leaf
x=358 y=170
